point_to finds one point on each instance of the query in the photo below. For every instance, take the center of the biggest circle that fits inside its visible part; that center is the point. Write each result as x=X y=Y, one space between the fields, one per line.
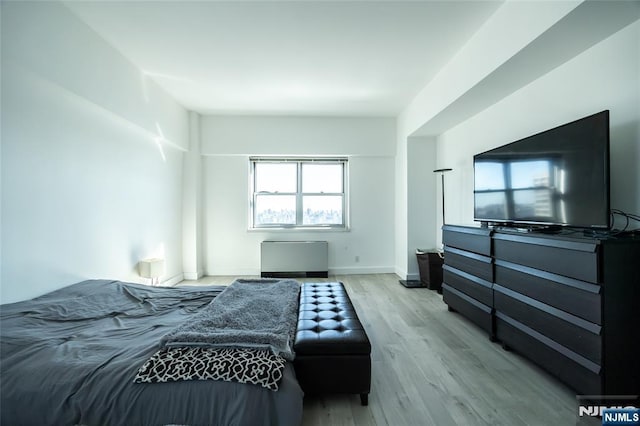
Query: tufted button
x=329 y=324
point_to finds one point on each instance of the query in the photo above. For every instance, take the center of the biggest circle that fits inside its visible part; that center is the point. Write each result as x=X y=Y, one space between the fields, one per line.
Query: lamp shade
x=151 y=268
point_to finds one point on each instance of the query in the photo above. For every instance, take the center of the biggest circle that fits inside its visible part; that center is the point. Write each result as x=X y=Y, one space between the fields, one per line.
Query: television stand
x=549 y=229
x=564 y=301
x=513 y=228
x=540 y=229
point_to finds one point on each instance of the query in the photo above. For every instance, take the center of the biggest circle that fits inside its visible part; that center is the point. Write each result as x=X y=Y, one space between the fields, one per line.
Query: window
x=298 y=193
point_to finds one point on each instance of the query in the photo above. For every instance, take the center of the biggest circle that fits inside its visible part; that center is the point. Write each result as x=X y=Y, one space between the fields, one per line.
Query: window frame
x=299 y=194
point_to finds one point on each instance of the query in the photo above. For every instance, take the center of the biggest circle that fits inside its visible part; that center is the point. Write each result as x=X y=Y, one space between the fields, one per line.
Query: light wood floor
x=433 y=367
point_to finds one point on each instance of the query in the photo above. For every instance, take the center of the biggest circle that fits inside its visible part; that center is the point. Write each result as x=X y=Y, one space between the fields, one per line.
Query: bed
x=69 y=358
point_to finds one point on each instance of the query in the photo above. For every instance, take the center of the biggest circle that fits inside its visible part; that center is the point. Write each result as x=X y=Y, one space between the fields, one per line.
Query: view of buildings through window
x=298 y=193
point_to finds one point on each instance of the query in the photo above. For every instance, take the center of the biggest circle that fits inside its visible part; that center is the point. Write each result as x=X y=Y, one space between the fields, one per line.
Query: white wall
x=421 y=189
x=230 y=249
x=281 y=135
x=192 y=224
x=471 y=79
x=401 y=197
x=606 y=76
x=530 y=67
x=415 y=212
x=514 y=26
x=89 y=187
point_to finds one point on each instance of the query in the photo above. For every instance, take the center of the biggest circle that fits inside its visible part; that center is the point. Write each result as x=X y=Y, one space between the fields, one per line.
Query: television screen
x=556 y=177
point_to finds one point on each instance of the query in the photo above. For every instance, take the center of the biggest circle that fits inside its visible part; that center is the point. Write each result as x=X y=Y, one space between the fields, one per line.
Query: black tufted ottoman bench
x=333 y=352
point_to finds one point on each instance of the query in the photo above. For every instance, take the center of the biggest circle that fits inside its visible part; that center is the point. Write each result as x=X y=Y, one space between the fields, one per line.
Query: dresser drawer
x=470 y=308
x=474 y=264
x=470 y=285
x=575 y=297
x=476 y=240
x=581 y=374
x=578 y=335
x=577 y=260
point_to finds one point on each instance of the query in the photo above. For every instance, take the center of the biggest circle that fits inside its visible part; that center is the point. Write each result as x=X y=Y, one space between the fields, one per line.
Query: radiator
x=294 y=258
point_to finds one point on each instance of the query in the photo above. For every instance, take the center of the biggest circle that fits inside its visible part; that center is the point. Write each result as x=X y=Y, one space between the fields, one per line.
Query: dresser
x=568 y=302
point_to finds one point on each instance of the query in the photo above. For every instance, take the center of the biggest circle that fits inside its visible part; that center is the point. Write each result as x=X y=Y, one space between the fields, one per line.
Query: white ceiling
x=338 y=58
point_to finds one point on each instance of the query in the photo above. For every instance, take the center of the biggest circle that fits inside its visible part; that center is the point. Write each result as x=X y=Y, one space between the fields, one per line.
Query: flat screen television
x=559 y=177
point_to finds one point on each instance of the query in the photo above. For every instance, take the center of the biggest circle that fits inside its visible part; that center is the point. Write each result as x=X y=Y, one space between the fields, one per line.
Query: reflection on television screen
x=558 y=177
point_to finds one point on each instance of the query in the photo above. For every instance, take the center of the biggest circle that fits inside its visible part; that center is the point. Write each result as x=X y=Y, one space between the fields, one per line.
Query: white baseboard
x=348 y=270
x=193 y=275
x=406 y=276
x=413 y=277
x=173 y=280
x=240 y=272
x=344 y=270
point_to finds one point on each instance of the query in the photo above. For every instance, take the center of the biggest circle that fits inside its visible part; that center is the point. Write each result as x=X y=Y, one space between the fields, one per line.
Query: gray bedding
x=69 y=357
x=258 y=314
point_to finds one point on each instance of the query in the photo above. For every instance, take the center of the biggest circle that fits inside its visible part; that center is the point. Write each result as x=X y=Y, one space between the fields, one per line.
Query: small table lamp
x=151 y=268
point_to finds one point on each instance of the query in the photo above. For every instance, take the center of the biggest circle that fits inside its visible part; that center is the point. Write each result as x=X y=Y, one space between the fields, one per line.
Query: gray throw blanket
x=249 y=313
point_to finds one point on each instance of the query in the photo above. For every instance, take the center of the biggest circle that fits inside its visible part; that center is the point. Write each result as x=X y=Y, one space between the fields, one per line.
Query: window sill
x=299 y=230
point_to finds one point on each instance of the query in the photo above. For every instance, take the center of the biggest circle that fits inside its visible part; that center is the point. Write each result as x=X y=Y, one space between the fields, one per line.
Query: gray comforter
x=69 y=357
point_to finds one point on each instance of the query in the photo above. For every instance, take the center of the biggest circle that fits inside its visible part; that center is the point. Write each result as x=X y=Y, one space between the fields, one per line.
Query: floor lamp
x=442 y=172
x=429 y=263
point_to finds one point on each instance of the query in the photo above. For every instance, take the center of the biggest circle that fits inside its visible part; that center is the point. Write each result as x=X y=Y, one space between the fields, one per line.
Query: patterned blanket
x=245 y=334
